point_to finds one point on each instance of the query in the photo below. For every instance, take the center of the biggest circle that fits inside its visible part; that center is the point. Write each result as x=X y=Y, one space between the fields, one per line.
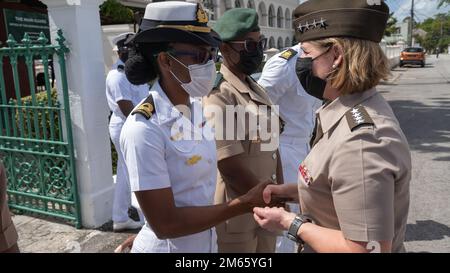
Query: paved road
x=420 y=97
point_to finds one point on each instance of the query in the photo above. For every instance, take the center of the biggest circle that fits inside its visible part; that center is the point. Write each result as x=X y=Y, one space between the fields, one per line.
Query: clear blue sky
x=423 y=8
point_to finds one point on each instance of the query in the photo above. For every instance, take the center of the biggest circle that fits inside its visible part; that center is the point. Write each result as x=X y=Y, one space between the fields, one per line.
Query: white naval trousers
x=123 y=198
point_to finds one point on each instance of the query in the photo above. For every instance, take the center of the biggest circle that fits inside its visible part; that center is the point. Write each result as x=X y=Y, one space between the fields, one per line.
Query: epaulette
x=358 y=116
x=146 y=108
x=288 y=54
x=219 y=80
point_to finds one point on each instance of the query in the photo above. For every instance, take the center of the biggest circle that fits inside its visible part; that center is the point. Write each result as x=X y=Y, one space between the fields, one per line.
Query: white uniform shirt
x=119 y=88
x=157 y=157
x=297 y=108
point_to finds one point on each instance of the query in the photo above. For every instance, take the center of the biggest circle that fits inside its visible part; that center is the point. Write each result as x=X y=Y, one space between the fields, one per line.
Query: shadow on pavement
x=426 y=230
x=426 y=127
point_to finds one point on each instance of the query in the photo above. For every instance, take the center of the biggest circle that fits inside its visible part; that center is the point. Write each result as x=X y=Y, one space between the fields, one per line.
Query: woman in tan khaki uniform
x=253 y=158
x=8 y=234
x=353 y=187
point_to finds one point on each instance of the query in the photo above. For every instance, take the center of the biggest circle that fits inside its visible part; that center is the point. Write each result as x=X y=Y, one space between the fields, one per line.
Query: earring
x=334 y=66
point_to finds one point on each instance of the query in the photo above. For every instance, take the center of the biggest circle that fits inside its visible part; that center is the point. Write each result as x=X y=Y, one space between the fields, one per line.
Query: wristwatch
x=299 y=220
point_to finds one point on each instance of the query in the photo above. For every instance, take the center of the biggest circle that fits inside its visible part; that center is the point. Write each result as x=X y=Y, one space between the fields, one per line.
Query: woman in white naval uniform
x=122 y=96
x=297 y=109
x=173 y=171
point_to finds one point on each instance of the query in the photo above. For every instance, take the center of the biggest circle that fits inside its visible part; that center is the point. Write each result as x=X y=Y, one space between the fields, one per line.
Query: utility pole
x=442 y=34
x=411 y=23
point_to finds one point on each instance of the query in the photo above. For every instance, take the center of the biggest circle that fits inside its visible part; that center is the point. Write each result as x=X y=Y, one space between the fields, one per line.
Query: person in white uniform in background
x=122 y=96
x=297 y=109
x=172 y=171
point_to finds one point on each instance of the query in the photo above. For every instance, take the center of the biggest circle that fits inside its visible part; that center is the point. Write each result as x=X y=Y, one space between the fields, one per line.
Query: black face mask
x=313 y=85
x=249 y=62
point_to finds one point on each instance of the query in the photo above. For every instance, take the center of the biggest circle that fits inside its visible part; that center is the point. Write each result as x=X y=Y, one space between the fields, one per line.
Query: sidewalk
x=43 y=235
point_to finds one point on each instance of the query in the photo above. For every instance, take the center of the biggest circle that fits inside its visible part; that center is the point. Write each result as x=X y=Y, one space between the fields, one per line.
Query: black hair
x=141 y=66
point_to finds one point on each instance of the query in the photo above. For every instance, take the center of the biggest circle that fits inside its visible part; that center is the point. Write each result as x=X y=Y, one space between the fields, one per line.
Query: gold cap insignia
x=202 y=16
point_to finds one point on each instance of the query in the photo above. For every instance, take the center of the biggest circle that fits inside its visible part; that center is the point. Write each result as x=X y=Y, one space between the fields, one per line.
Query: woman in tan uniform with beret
x=243 y=162
x=353 y=187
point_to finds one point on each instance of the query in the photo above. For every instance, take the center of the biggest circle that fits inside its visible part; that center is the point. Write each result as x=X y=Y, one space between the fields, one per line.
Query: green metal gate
x=36 y=134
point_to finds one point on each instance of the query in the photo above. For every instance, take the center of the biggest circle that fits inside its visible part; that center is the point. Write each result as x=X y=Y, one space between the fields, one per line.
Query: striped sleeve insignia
x=288 y=54
x=146 y=108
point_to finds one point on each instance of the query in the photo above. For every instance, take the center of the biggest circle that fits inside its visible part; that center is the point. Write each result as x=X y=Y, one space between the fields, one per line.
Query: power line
x=411 y=22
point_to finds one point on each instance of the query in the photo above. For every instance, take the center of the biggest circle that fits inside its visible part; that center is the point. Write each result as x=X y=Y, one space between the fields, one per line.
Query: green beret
x=319 y=19
x=236 y=22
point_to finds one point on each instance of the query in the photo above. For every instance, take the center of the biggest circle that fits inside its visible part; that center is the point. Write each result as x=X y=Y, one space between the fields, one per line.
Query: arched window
x=280 y=43
x=287 y=17
x=251 y=4
x=262 y=13
x=271 y=42
x=280 y=18
x=238 y=4
x=287 y=42
x=271 y=16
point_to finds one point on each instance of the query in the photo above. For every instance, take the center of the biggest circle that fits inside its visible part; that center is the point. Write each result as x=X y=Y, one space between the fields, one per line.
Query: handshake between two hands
x=271 y=212
x=271 y=195
x=268 y=202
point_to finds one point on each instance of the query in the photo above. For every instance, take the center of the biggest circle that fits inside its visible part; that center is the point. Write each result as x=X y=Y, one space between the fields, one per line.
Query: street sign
x=19 y=22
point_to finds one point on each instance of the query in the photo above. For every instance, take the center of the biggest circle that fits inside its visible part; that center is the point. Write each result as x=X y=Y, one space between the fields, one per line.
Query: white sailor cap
x=176 y=21
x=120 y=39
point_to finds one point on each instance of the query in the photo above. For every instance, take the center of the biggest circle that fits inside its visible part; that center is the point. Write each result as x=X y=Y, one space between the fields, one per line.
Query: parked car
x=412 y=55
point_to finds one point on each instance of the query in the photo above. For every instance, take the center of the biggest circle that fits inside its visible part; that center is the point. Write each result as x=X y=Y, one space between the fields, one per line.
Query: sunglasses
x=251 y=45
x=199 y=56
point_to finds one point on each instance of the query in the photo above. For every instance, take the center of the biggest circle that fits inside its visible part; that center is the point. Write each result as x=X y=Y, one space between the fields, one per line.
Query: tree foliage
x=112 y=12
x=438 y=32
x=391 y=25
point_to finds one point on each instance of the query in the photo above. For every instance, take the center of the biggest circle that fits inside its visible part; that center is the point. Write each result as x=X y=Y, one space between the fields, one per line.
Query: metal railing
x=36 y=133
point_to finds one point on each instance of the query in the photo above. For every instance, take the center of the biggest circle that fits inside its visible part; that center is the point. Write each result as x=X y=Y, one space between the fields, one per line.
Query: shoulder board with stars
x=146 y=108
x=288 y=54
x=358 y=116
x=219 y=80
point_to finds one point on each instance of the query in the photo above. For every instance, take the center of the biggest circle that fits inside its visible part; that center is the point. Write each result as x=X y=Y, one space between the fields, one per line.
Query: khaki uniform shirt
x=356 y=177
x=8 y=234
x=248 y=152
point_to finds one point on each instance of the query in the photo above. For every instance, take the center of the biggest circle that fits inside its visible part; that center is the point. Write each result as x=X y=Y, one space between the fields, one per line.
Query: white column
x=80 y=22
